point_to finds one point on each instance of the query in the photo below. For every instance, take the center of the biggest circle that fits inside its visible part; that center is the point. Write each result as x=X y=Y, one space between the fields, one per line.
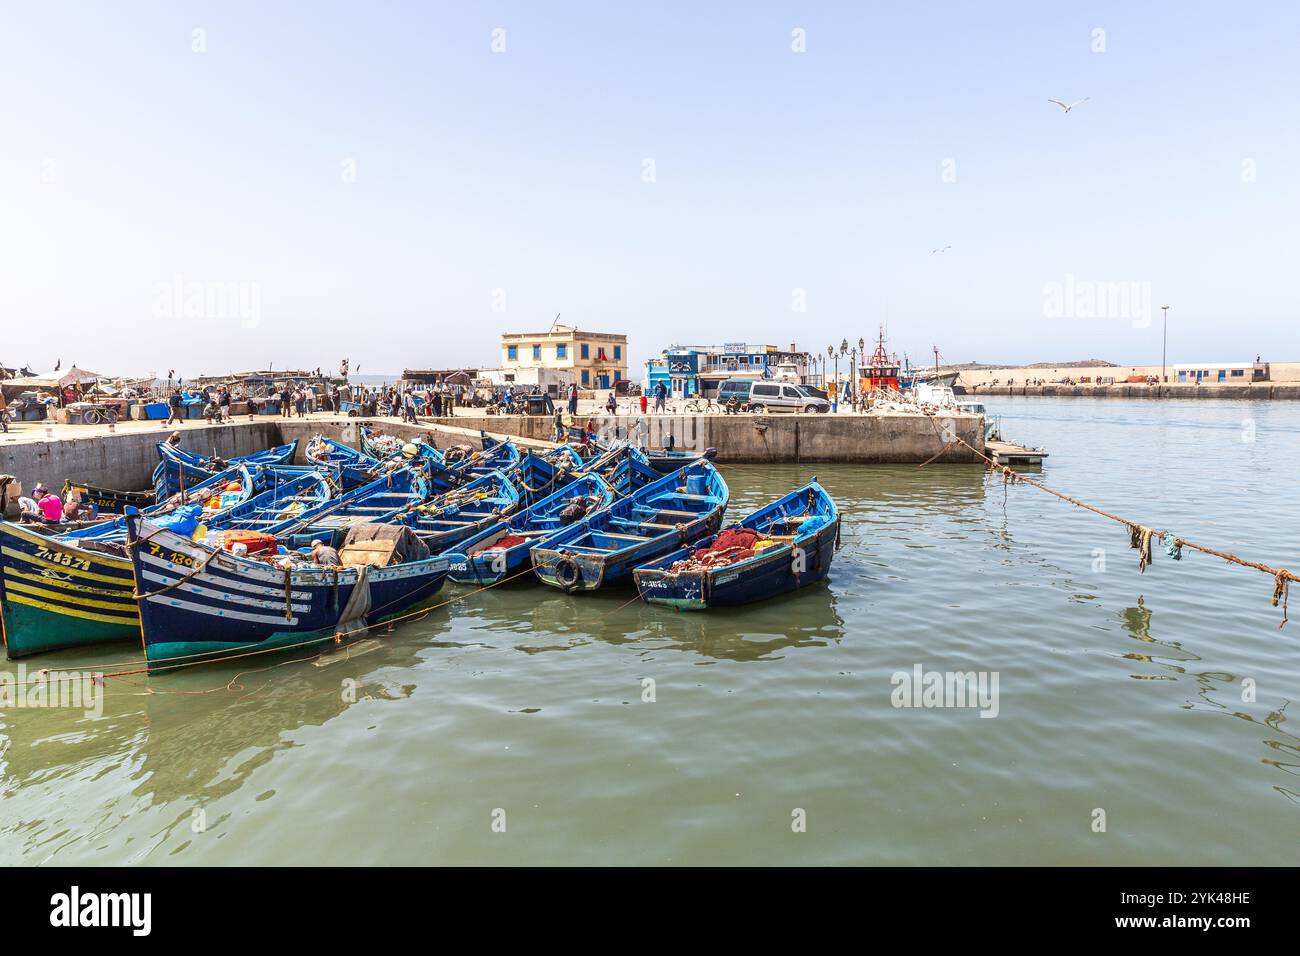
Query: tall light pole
x=844 y=353
x=853 y=376
x=1164 y=344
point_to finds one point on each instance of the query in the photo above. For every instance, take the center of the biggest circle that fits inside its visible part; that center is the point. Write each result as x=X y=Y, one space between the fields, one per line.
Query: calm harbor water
x=1118 y=691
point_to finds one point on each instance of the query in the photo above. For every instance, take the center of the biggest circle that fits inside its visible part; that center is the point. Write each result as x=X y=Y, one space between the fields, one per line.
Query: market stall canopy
x=73 y=376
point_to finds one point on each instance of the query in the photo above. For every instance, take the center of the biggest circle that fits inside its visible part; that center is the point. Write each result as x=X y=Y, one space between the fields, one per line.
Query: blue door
x=1223 y=375
x=604 y=381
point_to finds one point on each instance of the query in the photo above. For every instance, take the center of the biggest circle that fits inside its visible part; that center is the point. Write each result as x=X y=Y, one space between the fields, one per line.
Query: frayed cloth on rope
x=1139 y=538
x=1281 y=593
x=1173 y=547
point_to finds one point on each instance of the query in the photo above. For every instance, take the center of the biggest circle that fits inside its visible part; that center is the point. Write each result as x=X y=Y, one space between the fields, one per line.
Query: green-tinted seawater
x=1118 y=691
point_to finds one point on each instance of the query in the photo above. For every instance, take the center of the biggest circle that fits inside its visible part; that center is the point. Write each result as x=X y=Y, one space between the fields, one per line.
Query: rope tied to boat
x=288 y=593
x=138 y=596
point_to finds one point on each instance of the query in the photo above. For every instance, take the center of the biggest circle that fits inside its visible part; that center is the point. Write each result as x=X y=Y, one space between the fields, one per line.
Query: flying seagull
x=944 y=249
x=1070 y=106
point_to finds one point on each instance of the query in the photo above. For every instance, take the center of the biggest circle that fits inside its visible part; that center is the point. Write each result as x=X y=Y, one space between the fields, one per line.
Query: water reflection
x=195 y=736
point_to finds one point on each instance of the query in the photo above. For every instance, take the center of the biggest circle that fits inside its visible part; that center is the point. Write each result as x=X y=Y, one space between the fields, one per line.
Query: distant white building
x=1222 y=373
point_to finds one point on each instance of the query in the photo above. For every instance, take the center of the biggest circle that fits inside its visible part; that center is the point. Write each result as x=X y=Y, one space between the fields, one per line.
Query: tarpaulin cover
x=397 y=544
x=183 y=521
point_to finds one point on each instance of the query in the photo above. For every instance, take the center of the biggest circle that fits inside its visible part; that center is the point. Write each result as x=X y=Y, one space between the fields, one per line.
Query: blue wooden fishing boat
x=664 y=461
x=179 y=469
x=223 y=490
x=783 y=546
x=665 y=515
x=348 y=467
x=536 y=476
x=448 y=519
x=624 y=467
x=496 y=455
x=382 y=447
x=504 y=549
x=440 y=475
x=290 y=502
x=76 y=589
x=661 y=459
x=200 y=604
x=382 y=500
x=108 y=501
x=565 y=453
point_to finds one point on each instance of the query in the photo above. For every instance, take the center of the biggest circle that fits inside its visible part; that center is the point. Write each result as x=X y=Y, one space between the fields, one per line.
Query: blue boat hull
x=767 y=576
x=198 y=605
x=799 y=531
x=662 y=517
x=474 y=561
x=179 y=469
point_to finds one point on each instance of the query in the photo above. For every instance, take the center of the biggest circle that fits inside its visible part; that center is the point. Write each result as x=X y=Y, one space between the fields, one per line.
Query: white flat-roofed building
x=1221 y=373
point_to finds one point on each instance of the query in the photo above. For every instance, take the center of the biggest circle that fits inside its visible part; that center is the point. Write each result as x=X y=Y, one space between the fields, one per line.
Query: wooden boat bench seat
x=670 y=512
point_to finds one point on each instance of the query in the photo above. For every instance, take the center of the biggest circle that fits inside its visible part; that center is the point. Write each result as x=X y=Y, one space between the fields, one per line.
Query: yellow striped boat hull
x=55 y=595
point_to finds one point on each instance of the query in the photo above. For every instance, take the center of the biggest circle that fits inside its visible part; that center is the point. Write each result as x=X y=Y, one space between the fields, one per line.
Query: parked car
x=734 y=386
x=780 y=397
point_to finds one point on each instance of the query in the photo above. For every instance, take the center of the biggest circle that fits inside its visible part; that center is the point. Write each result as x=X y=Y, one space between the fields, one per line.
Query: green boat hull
x=55 y=596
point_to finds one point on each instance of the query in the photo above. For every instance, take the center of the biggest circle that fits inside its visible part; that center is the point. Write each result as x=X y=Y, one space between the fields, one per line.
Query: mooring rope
x=1140 y=535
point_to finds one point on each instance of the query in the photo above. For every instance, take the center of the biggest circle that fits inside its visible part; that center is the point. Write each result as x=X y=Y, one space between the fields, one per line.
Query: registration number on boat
x=174 y=557
x=62 y=557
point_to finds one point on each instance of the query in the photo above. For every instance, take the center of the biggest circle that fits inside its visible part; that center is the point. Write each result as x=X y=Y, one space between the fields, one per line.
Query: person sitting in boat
x=74 y=509
x=51 y=505
x=324 y=555
x=29 y=512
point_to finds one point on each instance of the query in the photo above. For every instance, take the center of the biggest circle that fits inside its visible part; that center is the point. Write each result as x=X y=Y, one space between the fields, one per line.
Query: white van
x=784 y=397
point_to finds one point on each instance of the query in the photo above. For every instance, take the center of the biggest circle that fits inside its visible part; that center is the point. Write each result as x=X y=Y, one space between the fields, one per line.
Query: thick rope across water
x=1140 y=535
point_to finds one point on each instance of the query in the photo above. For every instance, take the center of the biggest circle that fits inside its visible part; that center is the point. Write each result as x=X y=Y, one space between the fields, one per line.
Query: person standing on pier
x=223 y=402
x=174 y=407
x=573 y=399
x=661 y=396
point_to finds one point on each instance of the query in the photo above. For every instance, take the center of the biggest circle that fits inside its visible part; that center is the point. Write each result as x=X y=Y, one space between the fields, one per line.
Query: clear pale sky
x=381 y=183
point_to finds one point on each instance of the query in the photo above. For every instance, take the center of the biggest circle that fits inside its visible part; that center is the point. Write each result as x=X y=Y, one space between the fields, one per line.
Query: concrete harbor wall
x=125 y=460
x=1261 y=391
x=858 y=439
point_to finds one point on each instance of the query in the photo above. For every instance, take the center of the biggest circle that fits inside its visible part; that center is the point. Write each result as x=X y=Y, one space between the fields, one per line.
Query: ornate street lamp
x=835 y=403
